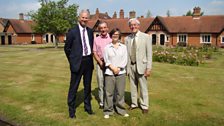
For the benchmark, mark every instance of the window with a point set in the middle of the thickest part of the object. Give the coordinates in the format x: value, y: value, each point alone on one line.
x: 167, y: 38
x: 182, y: 38
x: 205, y: 38
x: 222, y: 39
x: 32, y: 37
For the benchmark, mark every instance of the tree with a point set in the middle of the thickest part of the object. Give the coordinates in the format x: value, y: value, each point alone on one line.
x: 148, y: 14
x: 54, y: 17
x: 168, y: 13
x: 189, y: 13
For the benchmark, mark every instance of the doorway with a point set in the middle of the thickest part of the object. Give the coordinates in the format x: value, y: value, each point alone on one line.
x: 162, y: 39
x: 154, y: 39
x: 10, y: 40
x: 3, y: 40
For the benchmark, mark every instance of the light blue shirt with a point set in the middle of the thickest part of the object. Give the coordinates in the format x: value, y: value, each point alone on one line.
x: 116, y: 57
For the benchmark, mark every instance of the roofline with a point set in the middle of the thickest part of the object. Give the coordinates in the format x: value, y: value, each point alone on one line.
x: 157, y: 17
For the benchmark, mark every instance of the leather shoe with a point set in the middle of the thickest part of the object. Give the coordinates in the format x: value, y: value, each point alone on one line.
x: 132, y: 108
x: 72, y: 116
x: 101, y: 107
x: 145, y: 111
x: 90, y: 112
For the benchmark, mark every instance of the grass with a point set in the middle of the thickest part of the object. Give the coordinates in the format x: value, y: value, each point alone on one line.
x: 34, y: 81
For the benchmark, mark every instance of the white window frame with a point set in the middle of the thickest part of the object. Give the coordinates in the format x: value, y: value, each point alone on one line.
x: 203, y: 35
x: 178, y: 38
x: 32, y: 37
x: 168, y: 38
x: 222, y: 38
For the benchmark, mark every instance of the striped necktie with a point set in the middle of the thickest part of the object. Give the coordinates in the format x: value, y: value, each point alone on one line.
x: 84, y: 42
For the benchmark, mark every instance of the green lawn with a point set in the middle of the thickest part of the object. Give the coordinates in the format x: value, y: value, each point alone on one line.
x: 34, y: 83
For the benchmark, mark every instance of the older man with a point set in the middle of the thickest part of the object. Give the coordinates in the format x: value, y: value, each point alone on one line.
x: 139, y: 46
x: 78, y: 49
x: 98, y: 50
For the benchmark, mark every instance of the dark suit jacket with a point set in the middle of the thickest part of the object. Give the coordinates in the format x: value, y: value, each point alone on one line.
x: 73, y: 47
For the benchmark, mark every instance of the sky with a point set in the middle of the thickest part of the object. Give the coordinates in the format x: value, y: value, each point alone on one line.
x: 12, y: 8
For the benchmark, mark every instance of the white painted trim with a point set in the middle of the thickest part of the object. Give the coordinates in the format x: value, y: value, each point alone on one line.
x: 182, y: 34
x: 167, y: 38
x: 32, y: 37
x: 204, y: 35
x: 221, y: 39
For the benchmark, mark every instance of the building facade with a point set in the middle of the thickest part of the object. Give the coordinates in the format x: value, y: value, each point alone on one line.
x: 195, y: 30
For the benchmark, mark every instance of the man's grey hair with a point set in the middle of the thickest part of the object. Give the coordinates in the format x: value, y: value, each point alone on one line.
x: 84, y: 11
x: 133, y: 19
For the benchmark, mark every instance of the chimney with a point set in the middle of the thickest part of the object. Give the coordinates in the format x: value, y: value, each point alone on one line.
x: 106, y: 13
x: 197, y: 12
x: 122, y: 13
x: 115, y: 15
x: 142, y: 16
x: 21, y: 16
x: 97, y: 13
x: 132, y: 14
x: 88, y: 11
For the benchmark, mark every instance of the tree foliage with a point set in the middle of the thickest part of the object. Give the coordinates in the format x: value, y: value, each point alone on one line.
x: 168, y: 13
x: 54, y: 17
x: 148, y: 14
x: 189, y: 13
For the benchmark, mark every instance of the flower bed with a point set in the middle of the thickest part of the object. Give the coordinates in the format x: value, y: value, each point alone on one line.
x: 190, y: 56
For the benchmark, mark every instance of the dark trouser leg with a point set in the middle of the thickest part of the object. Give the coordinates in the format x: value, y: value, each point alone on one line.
x: 74, y: 84
x: 87, y: 78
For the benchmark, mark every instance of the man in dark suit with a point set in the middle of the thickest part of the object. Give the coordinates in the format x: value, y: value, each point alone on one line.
x: 78, y: 49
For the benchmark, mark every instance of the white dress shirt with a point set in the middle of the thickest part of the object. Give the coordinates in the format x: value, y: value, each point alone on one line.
x: 87, y: 40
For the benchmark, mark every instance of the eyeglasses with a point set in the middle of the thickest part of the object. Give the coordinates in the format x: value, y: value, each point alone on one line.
x: 115, y: 34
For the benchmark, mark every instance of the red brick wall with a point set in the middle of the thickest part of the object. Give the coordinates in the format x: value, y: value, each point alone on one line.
x: 38, y: 38
x: 61, y: 38
x: 193, y: 39
x: 219, y: 40
x: 23, y: 39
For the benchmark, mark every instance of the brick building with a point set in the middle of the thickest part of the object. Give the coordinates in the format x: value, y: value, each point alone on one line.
x: 188, y: 30
x: 192, y: 30
x: 19, y: 31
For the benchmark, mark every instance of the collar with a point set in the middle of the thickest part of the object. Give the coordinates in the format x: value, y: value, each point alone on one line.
x: 104, y: 36
x: 111, y: 44
x: 81, y: 28
x: 136, y: 35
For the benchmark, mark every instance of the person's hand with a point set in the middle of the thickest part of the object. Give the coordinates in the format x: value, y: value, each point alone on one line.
x: 116, y: 70
x: 147, y: 73
x: 102, y: 65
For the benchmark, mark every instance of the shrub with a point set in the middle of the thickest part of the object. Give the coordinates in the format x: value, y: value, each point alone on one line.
x: 182, y: 44
x: 190, y: 56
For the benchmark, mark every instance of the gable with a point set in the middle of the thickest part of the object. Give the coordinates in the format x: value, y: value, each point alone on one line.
x: 9, y: 28
x: 156, y: 25
x: 21, y: 26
